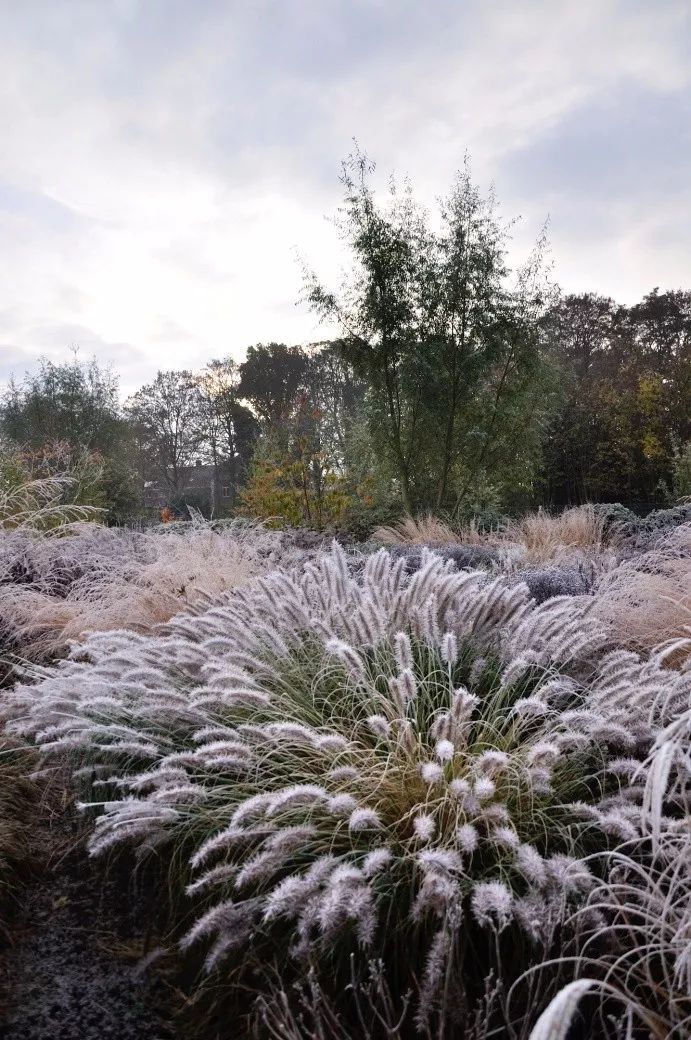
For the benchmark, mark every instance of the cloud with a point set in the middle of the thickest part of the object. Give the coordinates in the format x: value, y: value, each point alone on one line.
x: 161, y: 162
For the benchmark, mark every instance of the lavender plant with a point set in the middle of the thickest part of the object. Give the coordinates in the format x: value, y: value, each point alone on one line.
x: 428, y: 763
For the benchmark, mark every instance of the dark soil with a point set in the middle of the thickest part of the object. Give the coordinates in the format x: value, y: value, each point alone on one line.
x: 71, y: 971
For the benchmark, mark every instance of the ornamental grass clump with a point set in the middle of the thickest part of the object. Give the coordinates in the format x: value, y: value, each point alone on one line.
x: 634, y: 930
x: 412, y: 767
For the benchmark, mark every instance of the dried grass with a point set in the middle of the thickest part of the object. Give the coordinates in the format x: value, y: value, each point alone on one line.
x: 535, y: 539
x: 544, y: 538
x: 171, y: 572
x: 646, y: 600
x: 38, y: 505
x: 428, y: 530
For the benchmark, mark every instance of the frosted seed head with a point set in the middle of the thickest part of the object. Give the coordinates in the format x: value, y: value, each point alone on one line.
x: 341, y: 804
x: 530, y: 707
x: 406, y: 736
x: 540, y: 778
x: 438, y: 894
x: 424, y: 827
x: 364, y: 820
x: 444, y: 860
x: 460, y: 787
x: 569, y: 875
x: 492, y: 904
x: 467, y: 838
x: 449, y: 649
x: 296, y: 795
x: 376, y: 861
x: 544, y: 753
x: 407, y: 685
x: 531, y: 864
x: 349, y: 658
x: 343, y: 773
x: 403, y: 651
x: 379, y: 726
x: 492, y: 763
x: 444, y: 750
x: 494, y: 812
x: 506, y: 837
x: 330, y: 742
x: 431, y: 772
x: 484, y: 788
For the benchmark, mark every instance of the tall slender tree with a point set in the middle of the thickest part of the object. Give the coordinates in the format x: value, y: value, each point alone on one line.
x: 429, y: 321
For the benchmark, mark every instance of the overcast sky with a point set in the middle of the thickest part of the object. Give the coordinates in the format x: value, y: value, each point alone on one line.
x: 161, y: 161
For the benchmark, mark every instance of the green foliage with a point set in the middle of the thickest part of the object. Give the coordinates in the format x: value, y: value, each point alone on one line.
x: 294, y: 489
x: 74, y: 402
x: 681, y: 470
x: 621, y: 416
x: 65, y: 420
x: 273, y: 378
x: 449, y: 354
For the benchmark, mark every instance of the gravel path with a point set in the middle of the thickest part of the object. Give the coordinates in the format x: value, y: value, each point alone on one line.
x: 64, y: 979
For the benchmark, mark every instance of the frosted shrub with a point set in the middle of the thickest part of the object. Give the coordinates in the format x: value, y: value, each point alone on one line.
x: 375, y: 763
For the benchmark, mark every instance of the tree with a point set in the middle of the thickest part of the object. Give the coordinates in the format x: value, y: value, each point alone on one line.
x: 578, y: 332
x: 75, y: 402
x: 67, y: 412
x: 445, y: 347
x: 229, y: 429
x: 167, y: 418
x: 272, y: 380
x: 625, y: 375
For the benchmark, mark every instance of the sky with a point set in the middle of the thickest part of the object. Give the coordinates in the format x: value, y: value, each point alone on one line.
x: 164, y: 164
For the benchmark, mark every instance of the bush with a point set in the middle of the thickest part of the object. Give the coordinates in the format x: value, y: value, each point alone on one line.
x: 616, y: 518
x: 294, y: 488
x: 546, y: 582
x: 406, y: 767
x: 462, y: 556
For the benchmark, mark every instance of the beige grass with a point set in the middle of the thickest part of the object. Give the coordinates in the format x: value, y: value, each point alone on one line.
x: 187, y: 567
x: 37, y: 505
x: 647, y: 600
x: 547, y: 538
x: 535, y: 539
x: 427, y: 530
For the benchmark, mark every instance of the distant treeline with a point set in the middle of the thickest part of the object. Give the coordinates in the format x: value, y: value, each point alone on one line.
x: 454, y: 386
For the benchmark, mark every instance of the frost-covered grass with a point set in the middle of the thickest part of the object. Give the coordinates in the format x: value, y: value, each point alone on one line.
x: 534, y: 540
x: 37, y: 505
x: 424, y: 771
x: 646, y: 600
x: 53, y: 590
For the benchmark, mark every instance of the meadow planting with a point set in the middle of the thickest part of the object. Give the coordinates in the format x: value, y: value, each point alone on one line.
x: 435, y: 784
